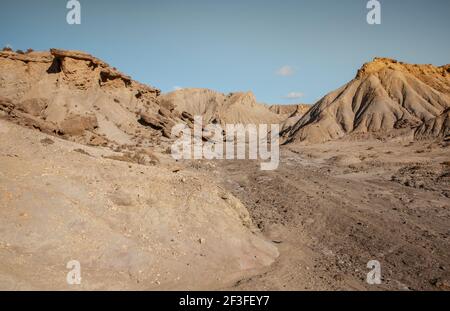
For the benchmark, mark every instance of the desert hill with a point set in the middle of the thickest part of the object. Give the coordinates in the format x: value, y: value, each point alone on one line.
x: 84, y: 177
x: 215, y: 107
x: 385, y: 96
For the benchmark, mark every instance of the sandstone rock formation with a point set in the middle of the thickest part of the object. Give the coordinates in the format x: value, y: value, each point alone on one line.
x: 385, y: 96
x: 79, y: 97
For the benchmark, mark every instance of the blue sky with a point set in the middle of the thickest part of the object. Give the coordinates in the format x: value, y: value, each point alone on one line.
x: 236, y: 45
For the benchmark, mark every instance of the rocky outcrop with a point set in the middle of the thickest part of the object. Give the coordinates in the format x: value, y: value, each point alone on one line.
x: 385, y: 97
x: 80, y: 97
x: 36, y: 57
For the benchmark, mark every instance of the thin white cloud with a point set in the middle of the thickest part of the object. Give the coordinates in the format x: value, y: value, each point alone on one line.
x: 285, y: 71
x: 177, y: 88
x: 294, y: 95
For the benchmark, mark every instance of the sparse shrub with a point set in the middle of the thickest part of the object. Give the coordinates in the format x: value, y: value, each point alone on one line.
x: 20, y: 52
x: 7, y: 49
x: 30, y: 51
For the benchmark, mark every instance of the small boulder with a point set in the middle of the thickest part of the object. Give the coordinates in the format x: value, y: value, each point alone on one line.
x: 77, y: 124
x: 33, y: 106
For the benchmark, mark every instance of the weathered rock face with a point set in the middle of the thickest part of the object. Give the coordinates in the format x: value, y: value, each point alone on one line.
x: 386, y: 96
x: 215, y: 107
x: 80, y: 97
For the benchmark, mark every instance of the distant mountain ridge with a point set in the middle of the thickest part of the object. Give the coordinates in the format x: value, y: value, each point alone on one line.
x: 215, y: 107
x: 80, y: 97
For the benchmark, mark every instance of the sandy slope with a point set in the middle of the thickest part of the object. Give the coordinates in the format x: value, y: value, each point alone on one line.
x: 131, y: 226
